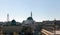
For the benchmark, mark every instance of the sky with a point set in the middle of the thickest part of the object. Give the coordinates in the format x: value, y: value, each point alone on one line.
x: 20, y: 10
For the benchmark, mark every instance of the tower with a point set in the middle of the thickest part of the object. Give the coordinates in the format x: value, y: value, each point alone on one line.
x: 31, y: 13
x: 7, y: 17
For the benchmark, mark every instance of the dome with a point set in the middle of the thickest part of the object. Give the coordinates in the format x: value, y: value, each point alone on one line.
x: 29, y: 18
x: 13, y: 22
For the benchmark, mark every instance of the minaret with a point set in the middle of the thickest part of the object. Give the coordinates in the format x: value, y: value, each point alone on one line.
x: 31, y: 13
x: 7, y: 17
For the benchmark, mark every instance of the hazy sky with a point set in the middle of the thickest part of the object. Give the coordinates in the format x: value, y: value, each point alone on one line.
x: 20, y: 9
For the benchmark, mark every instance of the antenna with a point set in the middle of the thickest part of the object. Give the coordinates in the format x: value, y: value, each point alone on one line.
x: 7, y: 17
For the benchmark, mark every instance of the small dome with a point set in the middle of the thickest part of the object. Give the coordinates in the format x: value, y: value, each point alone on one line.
x: 29, y: 18
x: 13, y: 22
